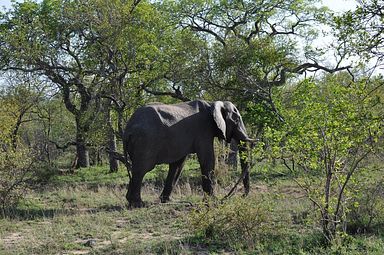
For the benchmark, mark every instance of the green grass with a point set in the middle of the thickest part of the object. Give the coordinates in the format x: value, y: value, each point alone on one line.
x: 86, y: 213
x: 92, y: 176
x: 99, y: 175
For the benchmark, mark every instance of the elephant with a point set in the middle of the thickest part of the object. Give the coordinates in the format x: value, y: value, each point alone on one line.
x: 166, y: 133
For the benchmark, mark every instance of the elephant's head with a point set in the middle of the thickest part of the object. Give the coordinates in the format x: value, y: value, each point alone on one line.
x: 229, y: 121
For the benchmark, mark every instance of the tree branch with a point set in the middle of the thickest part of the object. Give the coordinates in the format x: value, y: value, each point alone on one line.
x: 63, y: 147
x: 121, y: 158
x: 177, y: 94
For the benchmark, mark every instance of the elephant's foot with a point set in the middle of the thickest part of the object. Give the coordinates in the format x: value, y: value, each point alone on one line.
x: 136, y: 204
x: 246, y: 193
x: 164, y: 199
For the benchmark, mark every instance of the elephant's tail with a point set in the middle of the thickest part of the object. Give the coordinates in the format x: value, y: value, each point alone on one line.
x: 128, y: 162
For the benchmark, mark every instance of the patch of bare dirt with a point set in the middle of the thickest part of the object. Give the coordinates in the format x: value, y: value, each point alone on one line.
x: 76, y: 252
x: 260, y: 188
x: 12, y: 239
x: 293, y: 191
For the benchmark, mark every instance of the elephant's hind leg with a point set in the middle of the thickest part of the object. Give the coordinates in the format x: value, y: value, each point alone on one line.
x: 134, y: 189
x: 174, y: 172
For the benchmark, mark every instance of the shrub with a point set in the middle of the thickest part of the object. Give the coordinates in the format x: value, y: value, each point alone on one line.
x: 366, y: 212
x: 238, y: 222
x: 15, y: 166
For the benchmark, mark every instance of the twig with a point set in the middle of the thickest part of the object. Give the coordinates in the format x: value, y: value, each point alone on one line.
x: 230, y: 193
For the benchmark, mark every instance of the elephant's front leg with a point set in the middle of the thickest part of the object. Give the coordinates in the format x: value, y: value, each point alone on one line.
x: 175, y: 169
x: 207, y: 165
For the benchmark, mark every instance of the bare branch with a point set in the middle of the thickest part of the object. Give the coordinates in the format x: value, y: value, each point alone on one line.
x: 177, y: 94
x: 63, y: 147
x: 134, y: 5
x: 121, y: 158
x: 313, y: 67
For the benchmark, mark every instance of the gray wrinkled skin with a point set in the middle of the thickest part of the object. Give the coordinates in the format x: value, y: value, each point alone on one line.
x: 160, y: 133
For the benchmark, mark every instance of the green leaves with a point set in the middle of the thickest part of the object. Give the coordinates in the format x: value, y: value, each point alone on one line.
x: 360, y: 32
x: 331, y: 127
x: 328, y: 118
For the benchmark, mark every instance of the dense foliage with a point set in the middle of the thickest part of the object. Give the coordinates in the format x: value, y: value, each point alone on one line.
x: 73, y: 71
x: 331, y: 131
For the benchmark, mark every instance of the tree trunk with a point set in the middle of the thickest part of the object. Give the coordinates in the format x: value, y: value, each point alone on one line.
x: 329, y: 227
x: 113, y: 163
x: 82, y: 152
x: 111, y: 140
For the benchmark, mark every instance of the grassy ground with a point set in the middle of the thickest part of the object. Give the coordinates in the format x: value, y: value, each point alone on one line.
x: 86, y: 213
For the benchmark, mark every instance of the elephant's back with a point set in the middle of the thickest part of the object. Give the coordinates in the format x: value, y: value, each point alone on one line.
x: 166, y: 115
x: 160, y: 133
x: 143, y: 119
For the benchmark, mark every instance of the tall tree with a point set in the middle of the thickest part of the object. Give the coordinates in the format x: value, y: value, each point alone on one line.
x: 254, y: 46
x: 87, y: 48
x: 332, y: 130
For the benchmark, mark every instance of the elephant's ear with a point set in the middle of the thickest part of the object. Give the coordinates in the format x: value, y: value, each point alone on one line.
x: 217, y: 114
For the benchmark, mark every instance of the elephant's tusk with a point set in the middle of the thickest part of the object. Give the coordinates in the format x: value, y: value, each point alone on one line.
x: 250, y: 140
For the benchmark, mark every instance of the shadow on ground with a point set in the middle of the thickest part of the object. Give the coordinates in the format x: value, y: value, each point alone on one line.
x: 38, y: 213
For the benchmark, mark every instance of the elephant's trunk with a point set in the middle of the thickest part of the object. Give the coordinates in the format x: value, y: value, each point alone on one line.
x: 244, y: 174
x: 244, y: 162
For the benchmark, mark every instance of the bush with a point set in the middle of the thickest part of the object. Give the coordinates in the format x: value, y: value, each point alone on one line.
x: 239, y: 222
x: 15, y: 166
x: 367, y: 209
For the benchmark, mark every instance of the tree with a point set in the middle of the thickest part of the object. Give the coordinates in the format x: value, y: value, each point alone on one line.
x: 15, y: 158
x: 87, y: 48
x: 360, y: 32
x: 23, y: 92
x: 52, y: 131
x: 253, y: 46
x: 35, y: 39
x: 331, y: 128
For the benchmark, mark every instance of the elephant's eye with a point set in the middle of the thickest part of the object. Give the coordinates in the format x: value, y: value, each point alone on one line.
x: 236, y: 118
